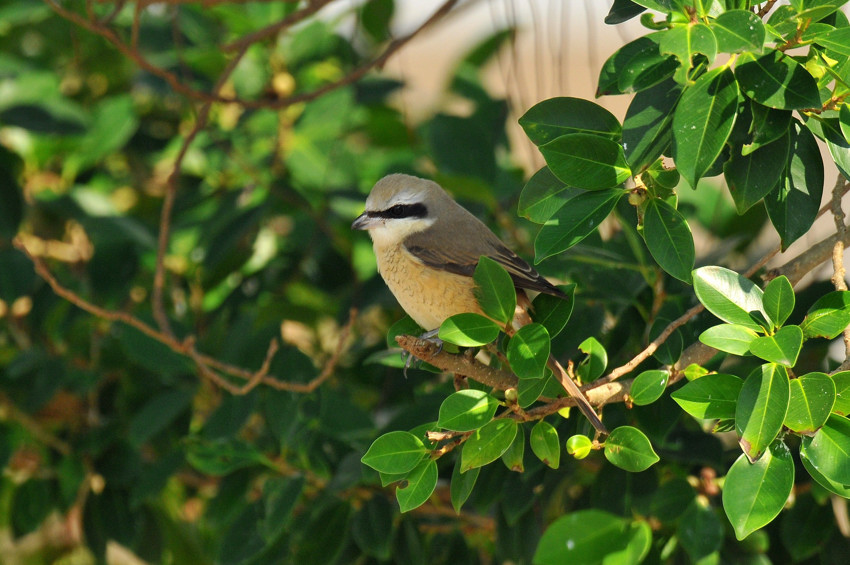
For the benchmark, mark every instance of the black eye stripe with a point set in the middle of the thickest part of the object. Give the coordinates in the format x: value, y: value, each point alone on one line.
x: 417, y: 210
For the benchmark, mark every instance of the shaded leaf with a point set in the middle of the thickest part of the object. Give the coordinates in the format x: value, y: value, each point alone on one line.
x: 762, y: 405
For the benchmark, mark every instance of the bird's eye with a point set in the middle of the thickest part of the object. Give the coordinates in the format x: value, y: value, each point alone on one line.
x: 397, y: 211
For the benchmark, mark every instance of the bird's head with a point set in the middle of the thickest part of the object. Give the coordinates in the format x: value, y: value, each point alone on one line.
x: 401, y: 205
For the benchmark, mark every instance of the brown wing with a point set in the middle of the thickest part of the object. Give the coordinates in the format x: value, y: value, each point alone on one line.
x: 458, y: 251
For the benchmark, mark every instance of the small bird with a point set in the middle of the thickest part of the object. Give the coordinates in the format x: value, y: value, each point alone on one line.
x: 427, y: 247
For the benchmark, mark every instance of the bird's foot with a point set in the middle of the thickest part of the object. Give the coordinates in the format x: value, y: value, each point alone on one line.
x: 430, y: 336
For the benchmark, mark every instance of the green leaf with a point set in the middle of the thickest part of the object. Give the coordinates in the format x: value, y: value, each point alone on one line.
x: 592, y: 366
x: 812, y: 399
x: 738, y: 30
x: 405, y: 326
x: 395, y: 452
x: 793, y: 205
x: 648, y: 386
x: 754, y: 493
x: 421, y: 482
x: 586, y: 161
x: 830, y: 485
x: 751, y: 177
x: 487, y: 444
x: 783, y: 347
x: 729, y: 296
x: 529, y: 390
x: 711, y: 396
x: 580, y: 538
x: 514, y: 456
x: 672, y: 499
x: 543, y: 195
x: 842, y: 393
x: 730, y: 338
x: 837, y: 40
x: 768, y: 125
x: 553, y: 312
x: 572, y: 223
x: 828, y: 450
x: 563, y: 115
x: 528, y: 351
x: 647, y: 127
x: 700, y: 530
x: 686, y: 40
x: 778, y: 300
x: 545, y: 444
x: 222, y: 456
x: 467, y: 410
x: 776, y: 80
x: 762, y: 405
x: 844, y: 114
x: 157, y: 414
x: 703, y: 121
x: 461, y: 485
x: 669, y: 239
x: 622, y: 11
x: 628, y: 448
x: 636, y: 66
x: 494, y: 290
x: 828, y: 316
x: 468, y: 330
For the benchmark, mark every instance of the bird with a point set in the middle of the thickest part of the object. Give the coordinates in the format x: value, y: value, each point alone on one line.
x: 427, y: 247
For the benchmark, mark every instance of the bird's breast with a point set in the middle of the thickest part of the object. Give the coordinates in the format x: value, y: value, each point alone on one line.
x: 428, y: 295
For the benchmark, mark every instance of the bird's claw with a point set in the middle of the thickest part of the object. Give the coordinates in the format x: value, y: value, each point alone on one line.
x: 430, y: 336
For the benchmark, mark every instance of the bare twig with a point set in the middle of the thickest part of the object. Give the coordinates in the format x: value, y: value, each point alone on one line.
x: 15, y: 414
x: 765, y: 9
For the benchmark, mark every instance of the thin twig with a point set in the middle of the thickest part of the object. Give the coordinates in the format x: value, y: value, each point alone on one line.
x: 15, y: 414
x: 766, y: 8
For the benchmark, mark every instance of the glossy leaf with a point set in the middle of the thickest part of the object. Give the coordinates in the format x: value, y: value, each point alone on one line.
x: 778, y: 300
x: 702, y: 123
x: 686, y: 40
x: 783, y: 347
x: 494, y: 290
x: 622, y: 11
x: 812, y: 399
x: 553, y: 312
x: 628, y: 448
x: 421, y: 482
x: 729, y: 296
x: 753, y: 176
x: 586, y: 161
x: 828, y: 450
x: 636, y: 66
x: 529, y: 390
x: 487, y: 444
x: 830, y: 485
x: 837, y: 40
x: 648, y: 386
x: 647, y: 128
x: 528, y: 351
x: 545, y: 444
x: 580, y: 538
x: 754, y: 493
x: 514, y: 456
x: 761, y: 409
x: 462, y: 485
x: 669, y: 239
x: 563, y: 115
x: 468, y: 330
x: 793, y: 205
x: 543, y: 195
x: 573, y: 223
x: 828, y: 316
x: 777, y: 81
x: 712, y: 396
x: 738, y: 30
x: 768, y: 125
x: 593, y: 365
x: 467, y: 410
x: 842, y: 393
x: 395, y: 452
x: 730, y: 338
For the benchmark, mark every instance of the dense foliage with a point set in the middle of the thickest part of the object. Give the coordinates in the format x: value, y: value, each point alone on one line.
x: 200, y: 363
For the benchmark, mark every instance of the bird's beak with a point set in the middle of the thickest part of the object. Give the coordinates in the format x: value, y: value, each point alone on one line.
x: 363, y: 222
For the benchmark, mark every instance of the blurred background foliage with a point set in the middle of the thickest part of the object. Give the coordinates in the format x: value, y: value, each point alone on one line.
x: 118, y: 446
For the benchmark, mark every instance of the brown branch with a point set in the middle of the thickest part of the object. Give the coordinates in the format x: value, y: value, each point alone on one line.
x: 430, y: 352
x: 12, y: 412
x: 178, y: 86
x: 295, y: 17
x: 765, y: 9
x: 206, y: 364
